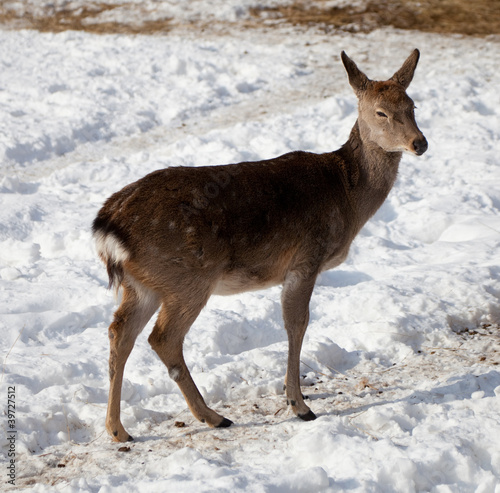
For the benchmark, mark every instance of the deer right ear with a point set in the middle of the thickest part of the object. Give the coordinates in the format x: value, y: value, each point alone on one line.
x: 357, y: 79
x: 405, y: 74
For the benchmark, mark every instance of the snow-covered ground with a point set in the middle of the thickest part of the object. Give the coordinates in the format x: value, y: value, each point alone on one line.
x: 401, y: 357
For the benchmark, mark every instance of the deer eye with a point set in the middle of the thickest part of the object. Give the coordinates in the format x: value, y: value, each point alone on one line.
x: 382, y: 114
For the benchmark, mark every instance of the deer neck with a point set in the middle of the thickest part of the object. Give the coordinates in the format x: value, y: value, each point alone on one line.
x: 371, y: 171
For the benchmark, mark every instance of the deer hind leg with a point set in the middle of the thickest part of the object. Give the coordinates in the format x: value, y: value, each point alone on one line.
x: 174, y: 321
x: 295, y: 304
x: 137, y: 307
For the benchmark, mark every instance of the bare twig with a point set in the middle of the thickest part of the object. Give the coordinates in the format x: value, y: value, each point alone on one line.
x: 359, y: 428
x: 324, y: 374
x: 5, y: 360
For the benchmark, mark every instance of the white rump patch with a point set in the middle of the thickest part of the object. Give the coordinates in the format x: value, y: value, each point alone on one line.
x: 110, y: 247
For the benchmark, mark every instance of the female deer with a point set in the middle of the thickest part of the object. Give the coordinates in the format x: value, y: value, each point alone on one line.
x: 179, y: 235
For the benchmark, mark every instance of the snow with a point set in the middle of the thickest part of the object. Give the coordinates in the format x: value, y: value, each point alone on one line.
x: 401, y: 356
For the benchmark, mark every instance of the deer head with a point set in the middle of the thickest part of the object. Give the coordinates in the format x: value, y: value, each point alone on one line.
x: 386, y: 113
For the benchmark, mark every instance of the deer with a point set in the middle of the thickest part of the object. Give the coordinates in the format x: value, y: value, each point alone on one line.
x: 179, y: 235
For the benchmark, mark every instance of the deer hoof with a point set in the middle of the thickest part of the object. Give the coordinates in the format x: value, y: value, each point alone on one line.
x: 121, y: 437
x: 310, y: 416
x: 225, y: 423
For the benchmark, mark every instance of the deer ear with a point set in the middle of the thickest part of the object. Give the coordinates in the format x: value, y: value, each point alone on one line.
x: 357, y: 79
x: 405, y: 74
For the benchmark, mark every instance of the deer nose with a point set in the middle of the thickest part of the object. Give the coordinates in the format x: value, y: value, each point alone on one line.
x: 420, y: 146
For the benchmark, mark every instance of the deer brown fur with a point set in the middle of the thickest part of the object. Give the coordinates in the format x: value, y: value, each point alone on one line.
x: 181, y: 234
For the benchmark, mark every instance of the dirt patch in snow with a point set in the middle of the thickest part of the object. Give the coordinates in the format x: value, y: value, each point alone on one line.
x: 481, y: 17
x: 478, y: 18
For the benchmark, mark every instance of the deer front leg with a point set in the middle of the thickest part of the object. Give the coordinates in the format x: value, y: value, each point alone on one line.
x: 167, y: 339
x: 295, y: 298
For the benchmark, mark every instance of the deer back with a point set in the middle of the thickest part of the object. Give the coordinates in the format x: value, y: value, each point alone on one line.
x: 246, y: 224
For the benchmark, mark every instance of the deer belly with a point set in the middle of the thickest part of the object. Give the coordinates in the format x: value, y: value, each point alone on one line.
x: 239, y: 282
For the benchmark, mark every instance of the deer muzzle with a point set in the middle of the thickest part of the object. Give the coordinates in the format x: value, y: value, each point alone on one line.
x: 420, y: 145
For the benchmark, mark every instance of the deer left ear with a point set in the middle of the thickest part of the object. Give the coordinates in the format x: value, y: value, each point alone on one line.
x: 405, y: 74
x: 358, y: 80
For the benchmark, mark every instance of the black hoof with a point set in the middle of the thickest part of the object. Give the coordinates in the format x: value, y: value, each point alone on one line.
x: 130, y: 438
x: 310, y: 416
x: 225, y: 423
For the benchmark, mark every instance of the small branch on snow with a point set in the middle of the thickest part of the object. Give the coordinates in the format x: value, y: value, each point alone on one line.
x: 5, y: 360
